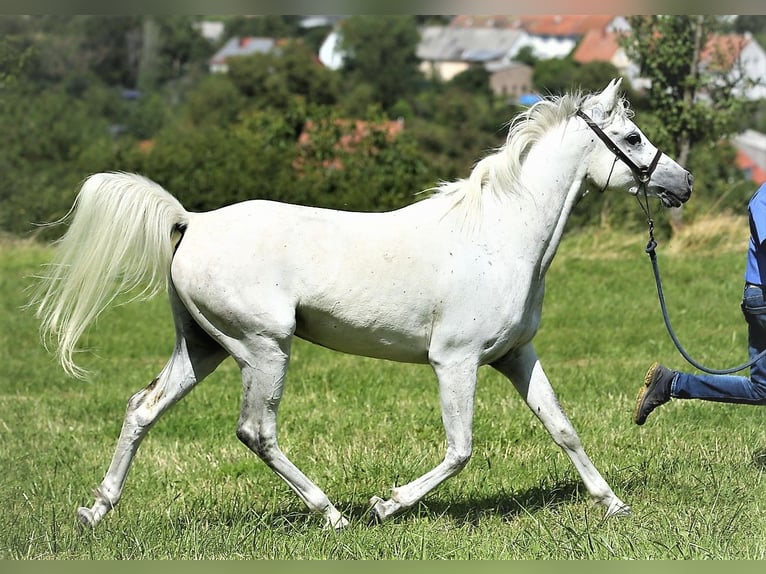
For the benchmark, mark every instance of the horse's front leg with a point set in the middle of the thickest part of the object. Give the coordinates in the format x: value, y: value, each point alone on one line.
x: 523, y: 368
x: 457, y: 385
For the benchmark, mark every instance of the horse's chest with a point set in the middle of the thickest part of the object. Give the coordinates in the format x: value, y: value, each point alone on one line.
x: 512, y: 326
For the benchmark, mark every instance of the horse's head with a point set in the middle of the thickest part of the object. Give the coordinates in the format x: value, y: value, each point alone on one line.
x: 627, y: 159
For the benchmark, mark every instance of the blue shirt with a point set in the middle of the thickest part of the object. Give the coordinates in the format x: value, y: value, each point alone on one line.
x: 755, y: 272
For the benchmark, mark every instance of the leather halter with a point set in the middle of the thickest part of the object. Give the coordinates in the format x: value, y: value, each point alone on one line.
x: 644, y: 172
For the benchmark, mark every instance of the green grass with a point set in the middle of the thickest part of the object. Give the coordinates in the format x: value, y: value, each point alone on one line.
x: 695, y: 474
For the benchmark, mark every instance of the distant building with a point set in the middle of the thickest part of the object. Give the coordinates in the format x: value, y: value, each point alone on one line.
x: 446, y: 51
x: 330, y: 54
x: 320, y: 21
x: 549, y: 36
x: 236, y: 46
x: 602, y: 45
x: 739, y: 60
x: 512, y: 80
x: 495, y: 41
x: 751, y: 155
x: 210, y: 30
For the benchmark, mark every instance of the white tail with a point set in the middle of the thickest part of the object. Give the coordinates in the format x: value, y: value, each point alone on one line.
x: 120, y: 238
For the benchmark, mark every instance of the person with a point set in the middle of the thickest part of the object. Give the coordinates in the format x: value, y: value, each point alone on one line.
x: 662, y: 384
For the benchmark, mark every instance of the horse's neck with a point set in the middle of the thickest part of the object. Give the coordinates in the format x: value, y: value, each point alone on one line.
x: 552, y: 177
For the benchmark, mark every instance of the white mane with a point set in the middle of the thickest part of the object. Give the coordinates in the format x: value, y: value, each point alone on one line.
x: 500, y: 172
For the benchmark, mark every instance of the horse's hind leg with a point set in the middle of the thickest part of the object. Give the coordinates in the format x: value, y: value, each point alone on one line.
x: 523, y: 368
x: 264, y: 362
x: 194, y: 357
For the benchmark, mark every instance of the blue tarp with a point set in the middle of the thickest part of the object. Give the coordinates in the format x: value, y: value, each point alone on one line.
x: 529, y: 99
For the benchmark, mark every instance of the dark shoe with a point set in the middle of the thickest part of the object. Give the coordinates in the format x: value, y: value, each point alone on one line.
x: 655, y: 392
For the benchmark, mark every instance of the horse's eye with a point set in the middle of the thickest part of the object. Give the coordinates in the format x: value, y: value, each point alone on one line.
x: 633, y: 138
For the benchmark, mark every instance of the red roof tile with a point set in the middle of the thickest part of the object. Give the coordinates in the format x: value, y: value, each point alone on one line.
x: 542, y: 25
x: 596, y: 46
x: 757, y: 173
x: 721, y: 51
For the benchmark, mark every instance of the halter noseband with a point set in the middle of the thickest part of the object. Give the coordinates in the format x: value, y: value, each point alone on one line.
x: 643, y: 173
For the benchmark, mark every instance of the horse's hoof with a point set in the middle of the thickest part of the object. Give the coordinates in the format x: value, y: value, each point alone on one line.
x: 376, y: 506
x: 338, y: 524
x: 85, y: 517
x: 619, y: 509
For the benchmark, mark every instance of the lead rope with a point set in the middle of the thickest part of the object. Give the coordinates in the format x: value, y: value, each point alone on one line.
x: 651, y: 250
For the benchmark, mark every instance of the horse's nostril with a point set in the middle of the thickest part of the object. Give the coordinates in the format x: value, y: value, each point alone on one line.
x: 689, y: 179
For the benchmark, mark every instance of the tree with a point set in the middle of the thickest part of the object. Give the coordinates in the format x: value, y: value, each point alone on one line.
x: 359, y: 165
x: 689, y: 104
x: 269, y: 26
x: 474, y: 79
x: 47, y: 142
x: 271, y: 78
x: 214, y: 100
x: 562, y: 75
x: 554, y: 75
x: 170, y: 47
x: 380, y: 51
x: 112, y: 47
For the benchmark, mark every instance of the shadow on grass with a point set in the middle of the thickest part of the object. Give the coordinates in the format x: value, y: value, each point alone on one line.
x: 759, y: 459
x: 508, y: 505
x: 471, y: 510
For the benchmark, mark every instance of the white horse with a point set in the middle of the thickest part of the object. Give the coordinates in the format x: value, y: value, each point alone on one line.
x: 455, y: 280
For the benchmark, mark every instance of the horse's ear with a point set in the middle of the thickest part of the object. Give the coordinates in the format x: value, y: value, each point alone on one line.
x: 608, y: 98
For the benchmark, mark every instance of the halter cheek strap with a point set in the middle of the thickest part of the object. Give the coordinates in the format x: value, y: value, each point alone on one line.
x: 644, y: 172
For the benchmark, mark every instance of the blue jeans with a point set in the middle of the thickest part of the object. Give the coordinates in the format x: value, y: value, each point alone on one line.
x: 729, y: 388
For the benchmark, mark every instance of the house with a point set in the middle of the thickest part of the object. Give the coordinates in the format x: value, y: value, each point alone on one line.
x: 751, y: 155
x: 556, y: 36
x: 549, y: 36
x: 739, y: 60
x: 736, y: 59
x: 211, y: 30
x: 237, y: 46
x: 320, y: 20
x: 330, y: 53
x: 446, y: 51
x: 511, y: 80
x: 602, y: 45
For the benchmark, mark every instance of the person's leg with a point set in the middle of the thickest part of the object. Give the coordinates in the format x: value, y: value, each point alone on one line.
x: 720, y: 388
x: 729, y: 388
x: 662, y: 384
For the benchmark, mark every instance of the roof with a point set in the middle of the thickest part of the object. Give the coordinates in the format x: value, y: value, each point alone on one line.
x: 244, y: 46
x: 596, y: 46
x: 722, y: 50
x: 565, y: 25
x: 498, y: 66
x: 446, y: 43
x: 483, y: 21
x: 744, y: 162
x: 751, y: 154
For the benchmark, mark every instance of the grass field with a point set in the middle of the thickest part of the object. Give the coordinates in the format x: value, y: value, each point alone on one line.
x: 695, y: 474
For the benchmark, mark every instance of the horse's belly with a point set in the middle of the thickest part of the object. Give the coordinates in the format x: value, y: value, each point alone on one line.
x: 371, y: 336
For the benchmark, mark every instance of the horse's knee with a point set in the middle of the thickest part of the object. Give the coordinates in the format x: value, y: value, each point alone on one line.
x: 567, y: 438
